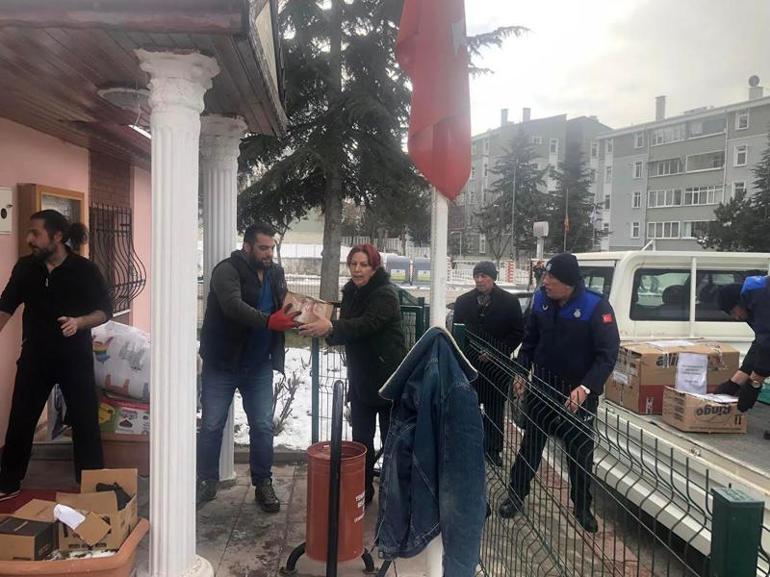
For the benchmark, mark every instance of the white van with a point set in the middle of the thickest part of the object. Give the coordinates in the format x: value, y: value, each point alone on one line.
x: 654, y: 298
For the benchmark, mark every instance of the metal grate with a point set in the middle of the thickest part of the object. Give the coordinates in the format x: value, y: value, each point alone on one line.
x: 112, y: 249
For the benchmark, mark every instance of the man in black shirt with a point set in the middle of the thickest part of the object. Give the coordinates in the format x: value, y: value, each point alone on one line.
x: 64, y: 296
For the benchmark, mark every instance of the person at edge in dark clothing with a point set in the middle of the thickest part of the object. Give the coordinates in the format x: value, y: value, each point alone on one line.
x: 749, y: 302
x: 242, y: 343
x: 571, y: 344
x: 494, y: 315
x: 64, y: 297
x: 369, y: 326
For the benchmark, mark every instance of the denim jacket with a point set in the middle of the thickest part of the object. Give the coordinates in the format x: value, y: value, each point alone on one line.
x: 433, y: 471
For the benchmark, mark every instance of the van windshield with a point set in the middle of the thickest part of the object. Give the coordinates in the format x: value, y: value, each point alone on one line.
x: 664, y: 294
x: 597, y: 278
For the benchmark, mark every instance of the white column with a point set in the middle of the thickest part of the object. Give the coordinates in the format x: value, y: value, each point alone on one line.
x: 177, y: 85
x: 220, y: 146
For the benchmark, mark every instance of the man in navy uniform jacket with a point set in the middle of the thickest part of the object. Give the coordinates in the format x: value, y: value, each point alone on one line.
x: 571, y: 344
x: 749, y: 302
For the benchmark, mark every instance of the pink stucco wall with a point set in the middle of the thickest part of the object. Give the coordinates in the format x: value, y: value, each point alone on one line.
x: 141, y: 203
x: 27, y: 155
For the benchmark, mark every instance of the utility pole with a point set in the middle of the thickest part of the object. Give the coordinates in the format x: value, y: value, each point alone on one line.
x: 513, y: 213
x: 566, y: 223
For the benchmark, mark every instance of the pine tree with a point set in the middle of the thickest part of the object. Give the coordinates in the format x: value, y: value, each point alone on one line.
x: 515, y: 169
x: 571, y: 204
x: 347, y: 103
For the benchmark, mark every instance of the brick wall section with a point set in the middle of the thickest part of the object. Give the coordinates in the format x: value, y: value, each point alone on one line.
x: 109, y: 180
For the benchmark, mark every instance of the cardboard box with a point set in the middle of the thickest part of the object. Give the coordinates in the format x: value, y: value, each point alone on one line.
x: 694, y: 413
x: 123, y: 416
x: 645, y: 369
x: 25, y: 539
x: 103, y: 506
x: 309, y: 307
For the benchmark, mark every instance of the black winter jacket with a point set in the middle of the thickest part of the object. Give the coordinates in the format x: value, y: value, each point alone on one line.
x: 573, y: 345
x: 231, y: 312
x: 370, y: 328
x: 501, y: 321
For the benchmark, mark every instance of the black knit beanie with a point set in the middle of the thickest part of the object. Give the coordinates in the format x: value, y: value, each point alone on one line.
x: 486, y: 267
x: 729, y: 296
x: 565, y: 268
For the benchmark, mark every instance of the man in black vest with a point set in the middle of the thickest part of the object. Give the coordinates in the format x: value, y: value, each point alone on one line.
x: 493, y: 315
x: 242, y: 343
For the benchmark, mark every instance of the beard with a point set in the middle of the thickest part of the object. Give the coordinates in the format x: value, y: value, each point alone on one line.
x: 41, y: 253
x: 259, y: 264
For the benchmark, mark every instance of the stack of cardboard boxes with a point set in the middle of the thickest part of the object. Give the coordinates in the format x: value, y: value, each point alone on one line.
x: 645, y: 381
x: 100, y: 517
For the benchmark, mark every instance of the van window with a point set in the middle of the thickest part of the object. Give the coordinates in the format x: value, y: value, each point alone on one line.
x: 664, y: 294
x: 598, y: 278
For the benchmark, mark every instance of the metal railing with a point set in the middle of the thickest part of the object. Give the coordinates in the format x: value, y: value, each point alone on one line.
x: 111, y: 246
x: 654, y: 514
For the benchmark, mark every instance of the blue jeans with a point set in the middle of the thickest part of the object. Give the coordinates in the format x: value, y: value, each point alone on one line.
x: 218, y: 389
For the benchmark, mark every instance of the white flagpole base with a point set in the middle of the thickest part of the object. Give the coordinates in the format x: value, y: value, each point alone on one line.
x: 438, y: 259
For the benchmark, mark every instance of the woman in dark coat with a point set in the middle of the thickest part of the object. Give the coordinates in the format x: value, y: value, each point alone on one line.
x: 370, y: 328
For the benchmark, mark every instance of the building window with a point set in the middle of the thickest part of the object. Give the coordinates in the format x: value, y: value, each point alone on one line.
x: 608, y: 146
x: 706, y: 161
x: 608, y: 174
x: 739, y: 188
x: 636, y: 200
x: 668, y: 134
x: 486, y: 146
x: 742, y: 120
x: 635, y: 229
x: 694, y: 228
x: 702, y: 195
x: 741, y: 155
x: 592, y: 175
x: 606, y: 228
x: 664, y: 198
x: 665, y: 167
x: 486, y: 168
x: 473, y: 149
x: 665, y: 230
x: 473, y: 172
x: 638, y: 169
x: 606, y: 202
x: 594, y: 150
x: 639, y: 140
x: 706, y: 127
x: 553, y: 146
x: 537, y: 140
x: 482, y: 244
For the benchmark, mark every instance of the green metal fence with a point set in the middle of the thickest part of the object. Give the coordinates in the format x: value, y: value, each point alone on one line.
x: 656, y: 515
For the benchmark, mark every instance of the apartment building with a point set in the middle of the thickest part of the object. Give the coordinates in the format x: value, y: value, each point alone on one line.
x: 662, y: 180
x: 549, y: 137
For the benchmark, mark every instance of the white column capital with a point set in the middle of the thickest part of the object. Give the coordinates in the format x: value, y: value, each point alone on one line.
x: 177, y: 80
x: 221, y: 137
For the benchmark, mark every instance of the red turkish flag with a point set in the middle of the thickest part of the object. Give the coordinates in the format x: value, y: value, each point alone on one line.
x: 432, y: 50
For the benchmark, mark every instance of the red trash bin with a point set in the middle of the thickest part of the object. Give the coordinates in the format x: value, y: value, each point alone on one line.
x: 352, y: 481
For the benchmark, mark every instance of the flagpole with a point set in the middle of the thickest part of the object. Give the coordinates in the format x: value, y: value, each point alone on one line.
x: 438, y: 258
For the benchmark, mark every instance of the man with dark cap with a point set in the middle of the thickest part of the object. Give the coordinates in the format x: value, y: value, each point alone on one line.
x: 570, y: 346
x: 749, y: 302
x: 494, y: 316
